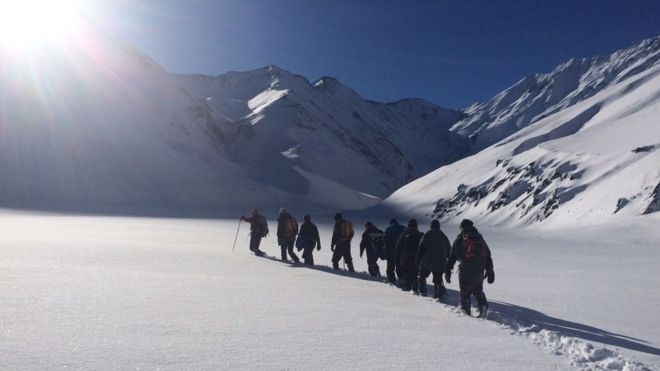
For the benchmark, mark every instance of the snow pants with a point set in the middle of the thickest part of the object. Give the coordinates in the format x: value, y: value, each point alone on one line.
x: 391, y: 266
x: 372, y: 261
x: 469, y: 288
x: 308, y: 255
x: 407, y: 273
x: 255, y: 241
x: 286, y: 245
x: 342, y: 250
x: 437, y: 280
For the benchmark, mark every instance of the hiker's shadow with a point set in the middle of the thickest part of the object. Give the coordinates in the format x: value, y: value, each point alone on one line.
x: 529, y: 320
x: 324, y: 268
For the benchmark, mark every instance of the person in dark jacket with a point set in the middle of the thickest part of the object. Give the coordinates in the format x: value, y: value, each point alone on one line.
x: 432, y: 256
x: 258, y: 230
x: 372, y: 240
x: 287, y: 228
x: 406, y: 251
x: 340, y: 245
x: 308, y: 238
x: 392, y: 234
x: 475, y: 259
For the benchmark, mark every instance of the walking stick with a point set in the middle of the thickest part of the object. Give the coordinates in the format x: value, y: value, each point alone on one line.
x: 236, y: 238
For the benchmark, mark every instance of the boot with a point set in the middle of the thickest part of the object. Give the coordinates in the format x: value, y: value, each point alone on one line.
x: 440, y: 291
x: 483, y: 304
x: 350, y: 267
x: 421, y: 283
x: 465, y: 305
x: 376, y: 270
x: 414, y: 287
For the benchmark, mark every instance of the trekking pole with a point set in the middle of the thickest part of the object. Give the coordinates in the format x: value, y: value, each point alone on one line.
x: 236, y: 238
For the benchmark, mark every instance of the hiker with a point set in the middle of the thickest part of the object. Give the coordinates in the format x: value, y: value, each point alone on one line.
x: 308, y: 238
x: 258, y: 230
x: 287, y: 228
x: 372, y: 241
x: 473, y: 253
x: 432, y: 255
x: 406, y: 251
x: 392, y: 234
x: 341, y: 242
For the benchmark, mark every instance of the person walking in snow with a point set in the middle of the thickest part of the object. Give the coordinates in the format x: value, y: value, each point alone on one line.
x: 406, y: 252
x: 372, y: 242
x: 392, y: 234
x: 432, y: 255
x: 287, y: 228
x: 308, y: 238
x: 473, y: 255
x: 340, y: 245
x: 258, y: 230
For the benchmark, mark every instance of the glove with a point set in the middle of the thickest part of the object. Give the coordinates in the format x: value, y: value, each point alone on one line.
x: 448, y: 276
x: 318, y: 247
x: 490, y: 276
x: 361, y: 254
x: 332, y: 248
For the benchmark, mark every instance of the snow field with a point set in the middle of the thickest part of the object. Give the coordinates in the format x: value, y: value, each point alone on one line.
x: 127, y: 293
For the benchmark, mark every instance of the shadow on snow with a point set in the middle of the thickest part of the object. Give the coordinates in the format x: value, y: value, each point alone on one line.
x: 514, y: 316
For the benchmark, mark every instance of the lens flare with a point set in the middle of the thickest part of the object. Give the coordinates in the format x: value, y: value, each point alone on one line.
x: 29, y: 24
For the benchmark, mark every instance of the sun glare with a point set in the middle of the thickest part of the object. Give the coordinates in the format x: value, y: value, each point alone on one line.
x: 26, y: 24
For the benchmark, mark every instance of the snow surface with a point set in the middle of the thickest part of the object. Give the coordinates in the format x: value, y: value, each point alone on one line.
x: 128, y: 293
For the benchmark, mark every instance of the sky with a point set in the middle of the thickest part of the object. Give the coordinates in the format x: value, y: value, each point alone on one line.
x: 452, y: 53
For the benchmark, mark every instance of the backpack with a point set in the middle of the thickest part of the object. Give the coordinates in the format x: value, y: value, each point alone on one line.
x: 289, y: 226
x: 377, y: 240
x: 262, y: 226
x: 345, y: 230
x: 476, y: 251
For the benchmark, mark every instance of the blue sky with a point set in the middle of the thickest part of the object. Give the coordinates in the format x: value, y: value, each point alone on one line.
x: 452, y: 53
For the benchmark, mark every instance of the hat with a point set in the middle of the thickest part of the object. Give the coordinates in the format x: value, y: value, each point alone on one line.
x: 466, y: 223
x: 282, y: 210
x: 412, y: 223
x: 393, y: 221
x: 338, y: 216
x: 368, y: 224
x: 307, y: 218
x: 435, y: 224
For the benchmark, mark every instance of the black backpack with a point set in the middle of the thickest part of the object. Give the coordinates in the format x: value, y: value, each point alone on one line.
x: 377, y: 240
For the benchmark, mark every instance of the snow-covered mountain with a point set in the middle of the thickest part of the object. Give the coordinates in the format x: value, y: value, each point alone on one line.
x: 590, y: 155
x: 97, y: 125
x: 541, y: 95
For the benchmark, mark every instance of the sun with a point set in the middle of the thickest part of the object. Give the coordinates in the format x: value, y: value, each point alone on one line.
x: 26, y: 24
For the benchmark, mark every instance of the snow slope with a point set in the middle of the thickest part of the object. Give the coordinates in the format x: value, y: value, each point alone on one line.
x: 282, y: 122
x: 596, y: 161
x: 540, y: 95
x: 127, y: 293
x: 94, y: 125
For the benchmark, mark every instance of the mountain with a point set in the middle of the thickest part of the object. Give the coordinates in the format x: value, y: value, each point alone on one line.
x: 541, y: 95
x: 295, y: 133
x: 590, y: 155
x: 95, y: 125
